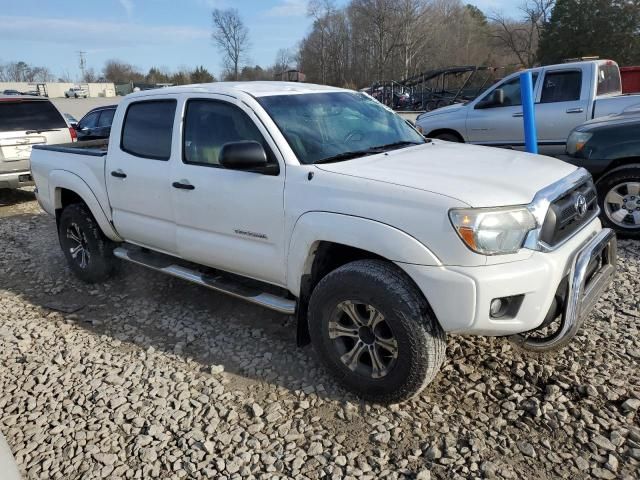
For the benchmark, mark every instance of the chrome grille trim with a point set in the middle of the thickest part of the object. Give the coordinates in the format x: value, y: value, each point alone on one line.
x: 543, y: 200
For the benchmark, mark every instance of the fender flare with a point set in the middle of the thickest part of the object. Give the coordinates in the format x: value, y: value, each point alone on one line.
x: 379, y: 238
x: 59, y: 179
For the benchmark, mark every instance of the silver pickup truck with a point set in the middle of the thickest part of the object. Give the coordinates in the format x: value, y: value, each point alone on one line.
x: 565, y: 95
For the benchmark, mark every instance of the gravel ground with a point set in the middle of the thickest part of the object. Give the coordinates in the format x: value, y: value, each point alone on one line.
x: 147, y: 376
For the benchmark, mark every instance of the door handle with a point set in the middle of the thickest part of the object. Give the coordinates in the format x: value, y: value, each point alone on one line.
x: 575, y: 110
x: 518, y: 114
x: 118, y: 174
x: 183, y: 186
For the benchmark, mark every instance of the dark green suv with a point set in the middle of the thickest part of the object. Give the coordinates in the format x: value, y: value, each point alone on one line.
x: 609, y: 147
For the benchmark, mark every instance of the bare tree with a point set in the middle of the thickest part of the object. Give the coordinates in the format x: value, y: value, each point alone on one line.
x: 284, y: 59
x: 321, y: 11
x: 232, y: 38
x: 521, y: 36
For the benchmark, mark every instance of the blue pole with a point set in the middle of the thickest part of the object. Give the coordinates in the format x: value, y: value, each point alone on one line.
x: 529, y: 112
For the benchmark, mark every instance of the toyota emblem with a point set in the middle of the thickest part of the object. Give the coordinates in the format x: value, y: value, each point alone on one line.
x: 581, y: 205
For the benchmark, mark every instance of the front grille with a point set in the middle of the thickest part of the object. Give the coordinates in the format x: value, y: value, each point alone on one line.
x: 564, y: 217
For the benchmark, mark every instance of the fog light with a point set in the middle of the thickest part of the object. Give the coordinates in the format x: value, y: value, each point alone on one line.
x: 505, y: 307
x: 497, y: 307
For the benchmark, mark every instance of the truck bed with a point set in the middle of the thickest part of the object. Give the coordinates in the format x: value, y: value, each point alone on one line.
x: 76, y: 166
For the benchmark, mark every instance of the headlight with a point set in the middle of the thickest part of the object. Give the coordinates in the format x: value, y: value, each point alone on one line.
x: 493, y: 231
x: 577, y: 141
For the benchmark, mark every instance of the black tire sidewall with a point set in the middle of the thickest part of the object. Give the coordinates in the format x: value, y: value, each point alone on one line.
x: 100, y: 264
x: 404, y: 314
x: 605, y: 185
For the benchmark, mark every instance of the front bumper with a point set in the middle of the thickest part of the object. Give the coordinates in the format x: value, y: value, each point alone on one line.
x: 461, y: 296
x: 16, y: 179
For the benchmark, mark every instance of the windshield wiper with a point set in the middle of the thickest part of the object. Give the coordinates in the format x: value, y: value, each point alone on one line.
x: 396, y: 144
x: 346, y: 156
x: 368, y: 151
x: 42, y: 130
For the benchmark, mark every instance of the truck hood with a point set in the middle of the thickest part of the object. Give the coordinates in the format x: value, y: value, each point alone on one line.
x: 443, y: 110
x: 477, y: 176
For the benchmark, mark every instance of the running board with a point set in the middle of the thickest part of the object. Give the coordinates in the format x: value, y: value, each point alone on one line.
x: 166, y: 264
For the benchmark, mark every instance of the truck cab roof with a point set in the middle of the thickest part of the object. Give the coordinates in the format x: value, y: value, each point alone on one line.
x: 255, y: 89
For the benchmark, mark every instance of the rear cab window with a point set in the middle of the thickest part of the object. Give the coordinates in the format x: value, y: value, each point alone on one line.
x: 147, y: 129
x: 609, y: 81
x: 22, y: 115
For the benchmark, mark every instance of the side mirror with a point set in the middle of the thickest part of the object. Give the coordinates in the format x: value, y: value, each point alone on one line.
x: 246, y: 156
x: 496, y: 99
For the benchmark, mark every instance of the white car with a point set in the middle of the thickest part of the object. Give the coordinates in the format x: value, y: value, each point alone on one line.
x: 76, y: 92
x: 565, y: 96
x: 321, y: 203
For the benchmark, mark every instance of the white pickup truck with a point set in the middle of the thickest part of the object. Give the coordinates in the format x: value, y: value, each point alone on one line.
x: 565, y: 96
x: 322, y: 203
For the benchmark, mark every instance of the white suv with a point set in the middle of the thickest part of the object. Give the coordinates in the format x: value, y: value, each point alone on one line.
x: 26, y: 121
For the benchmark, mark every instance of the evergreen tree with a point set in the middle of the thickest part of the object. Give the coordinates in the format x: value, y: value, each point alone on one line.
x: 604, y: 28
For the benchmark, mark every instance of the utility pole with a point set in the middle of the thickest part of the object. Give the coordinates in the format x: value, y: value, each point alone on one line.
x: 83, y: 62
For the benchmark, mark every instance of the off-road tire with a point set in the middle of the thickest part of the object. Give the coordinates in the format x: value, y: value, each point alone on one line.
x: 100, y: 260
x: 421, y: 341
x: 605, y: 184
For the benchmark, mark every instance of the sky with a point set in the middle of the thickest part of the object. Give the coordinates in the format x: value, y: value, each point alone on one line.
x: 146, y: 33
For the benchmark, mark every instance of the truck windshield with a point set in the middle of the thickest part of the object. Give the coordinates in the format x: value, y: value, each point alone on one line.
x: 335, y: 126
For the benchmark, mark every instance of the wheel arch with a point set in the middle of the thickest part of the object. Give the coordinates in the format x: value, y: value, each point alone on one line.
x: 620, y: 164
x: 322, y: 242
x: 439, y: 131
x: 70, y: 188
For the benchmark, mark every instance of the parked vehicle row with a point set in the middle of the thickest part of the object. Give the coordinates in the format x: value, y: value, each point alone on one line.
x: 566, y: 96
x: 321, y: 203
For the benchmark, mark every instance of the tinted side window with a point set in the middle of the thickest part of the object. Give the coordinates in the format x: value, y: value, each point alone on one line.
x: 148, y: 128
x: 561, y: 87
x: 106, y: 118
x: 512, y: 94
x: 29, y: 115
x: 209, y: 124
x: 609, y: 79
x: 89, y: 120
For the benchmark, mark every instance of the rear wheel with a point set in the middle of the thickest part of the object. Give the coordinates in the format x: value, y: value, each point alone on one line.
x: 619, y: 198
x: 372, y: 328
x: 88, y: 252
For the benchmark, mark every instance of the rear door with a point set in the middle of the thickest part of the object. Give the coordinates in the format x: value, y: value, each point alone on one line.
x: 87, y: 125
x: 138, y: 173
x: 24, y: 123
x: 103, y: 127
x: 562, y: 105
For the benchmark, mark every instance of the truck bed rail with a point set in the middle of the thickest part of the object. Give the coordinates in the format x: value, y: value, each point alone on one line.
x: 95, y: 148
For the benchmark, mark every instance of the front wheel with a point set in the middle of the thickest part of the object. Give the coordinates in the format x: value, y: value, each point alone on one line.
x: 448, y: 137
x: 619, y: 197
x: 88, y: 252
x: 372, y: 329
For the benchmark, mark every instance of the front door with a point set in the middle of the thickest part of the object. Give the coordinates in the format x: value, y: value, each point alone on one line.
x: 500, y: 125
x: 228, y: 219
x: 138, y: 173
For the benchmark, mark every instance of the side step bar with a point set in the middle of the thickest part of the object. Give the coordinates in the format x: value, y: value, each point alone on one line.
x: 166, y: 264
